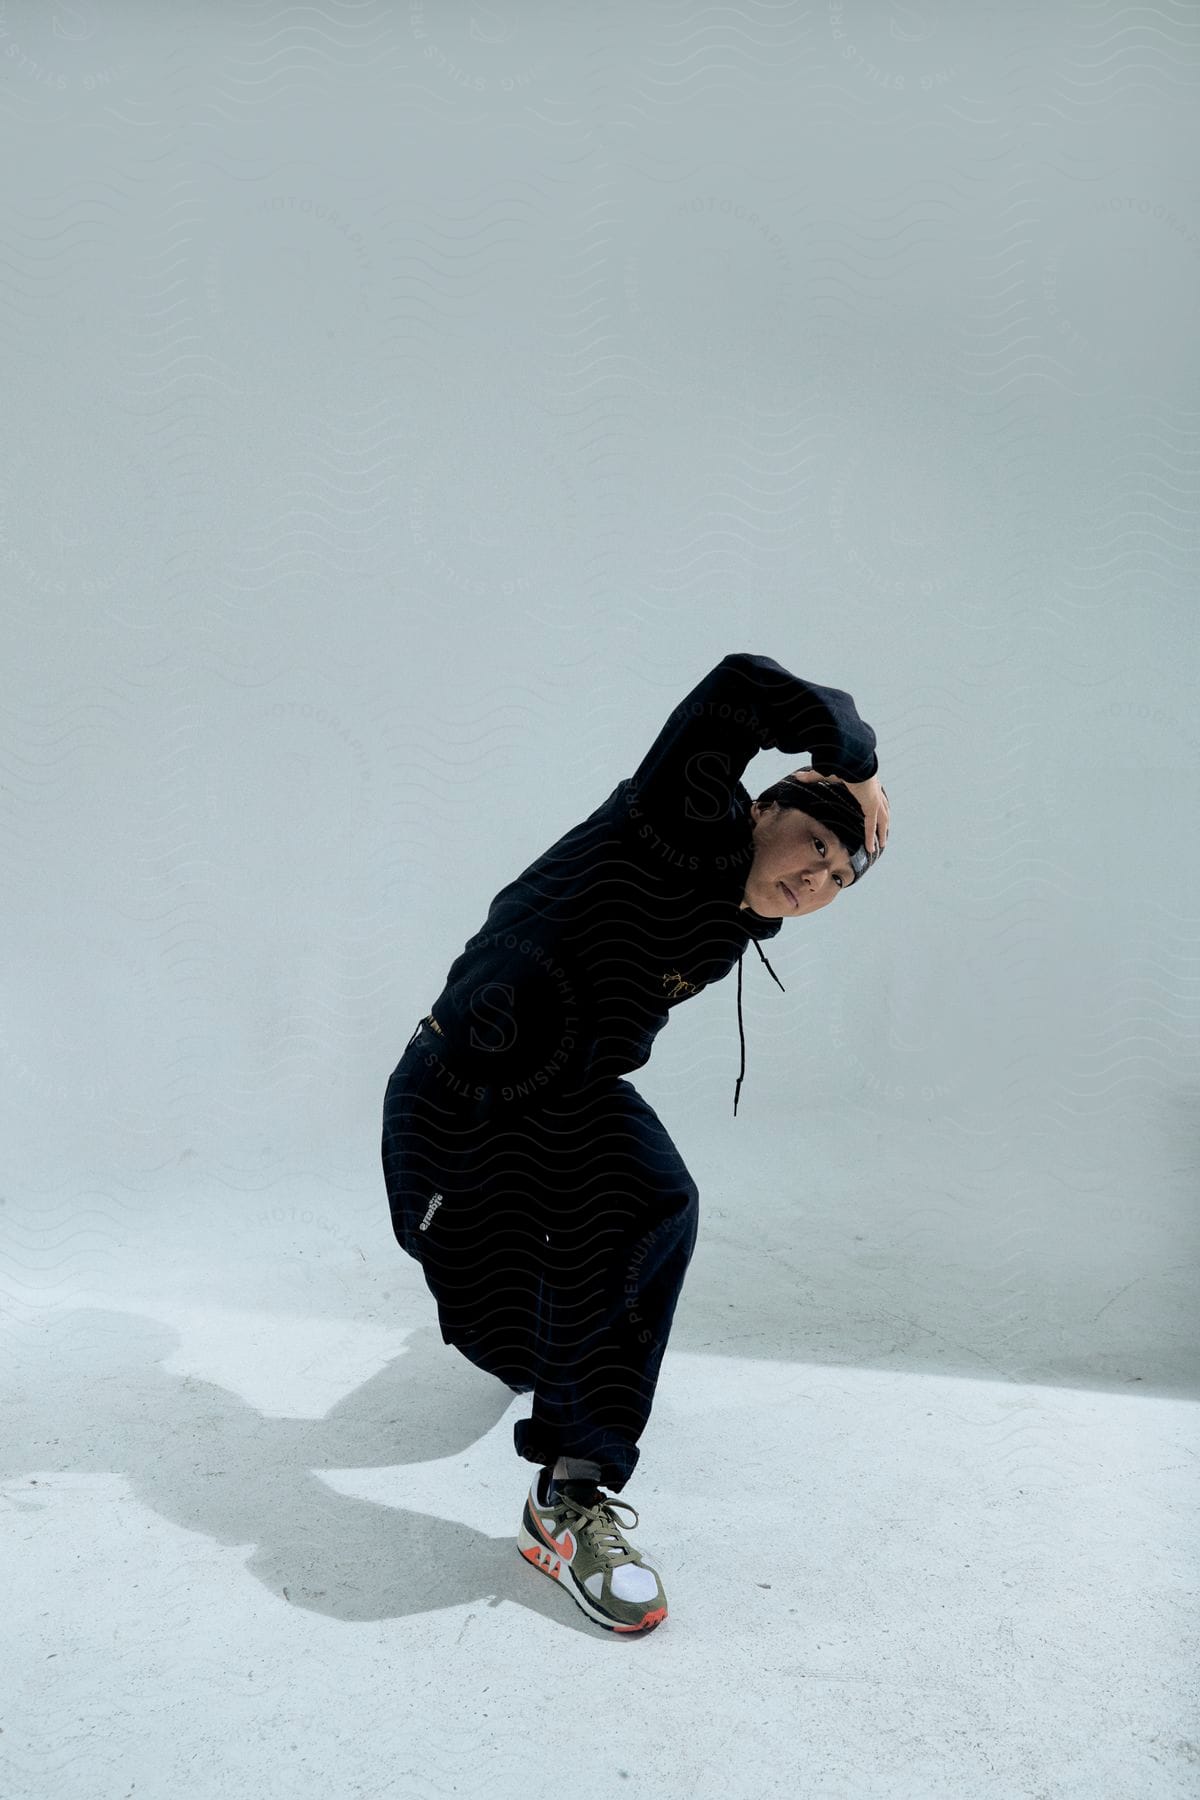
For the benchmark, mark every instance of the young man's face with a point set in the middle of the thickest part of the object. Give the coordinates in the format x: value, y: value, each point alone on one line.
x: 792, y: 851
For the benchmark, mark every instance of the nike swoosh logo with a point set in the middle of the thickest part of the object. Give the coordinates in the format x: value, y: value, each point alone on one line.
x: 563, y: 1546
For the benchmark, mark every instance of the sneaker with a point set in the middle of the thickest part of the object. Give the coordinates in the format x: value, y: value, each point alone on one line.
x: 582, y: 1547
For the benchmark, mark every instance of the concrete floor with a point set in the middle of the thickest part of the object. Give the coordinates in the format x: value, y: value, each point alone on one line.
x: 921, y: 1481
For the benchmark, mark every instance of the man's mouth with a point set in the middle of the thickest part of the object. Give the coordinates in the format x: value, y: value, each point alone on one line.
x: 787, y: 890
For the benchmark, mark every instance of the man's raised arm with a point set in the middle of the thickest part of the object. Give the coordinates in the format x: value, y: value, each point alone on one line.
x: 746, y: 704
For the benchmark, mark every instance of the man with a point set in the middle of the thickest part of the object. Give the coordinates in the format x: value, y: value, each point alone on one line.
x: 552, y: 1215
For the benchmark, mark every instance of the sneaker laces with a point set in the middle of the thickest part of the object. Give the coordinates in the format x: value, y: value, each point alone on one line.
x: 599, y: 1522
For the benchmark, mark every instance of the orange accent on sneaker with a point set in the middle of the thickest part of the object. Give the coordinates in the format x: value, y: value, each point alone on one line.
x: 565, y: 1545
x: 647, y: 1622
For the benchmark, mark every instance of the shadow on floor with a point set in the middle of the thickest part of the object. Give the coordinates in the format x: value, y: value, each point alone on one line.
x: 100, y: 1401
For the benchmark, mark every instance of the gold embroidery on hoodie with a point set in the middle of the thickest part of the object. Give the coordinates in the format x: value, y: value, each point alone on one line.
x: 680, y: 985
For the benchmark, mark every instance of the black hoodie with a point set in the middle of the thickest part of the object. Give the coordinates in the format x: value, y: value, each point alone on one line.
x: 636, y: 909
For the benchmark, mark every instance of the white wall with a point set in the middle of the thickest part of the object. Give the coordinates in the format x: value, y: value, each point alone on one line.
x: 401, y: 418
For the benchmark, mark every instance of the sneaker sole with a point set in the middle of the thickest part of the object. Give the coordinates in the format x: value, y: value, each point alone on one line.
x: 536, y: 1552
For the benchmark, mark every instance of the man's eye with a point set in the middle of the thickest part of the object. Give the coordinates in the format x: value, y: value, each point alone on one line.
x: 821, y: 847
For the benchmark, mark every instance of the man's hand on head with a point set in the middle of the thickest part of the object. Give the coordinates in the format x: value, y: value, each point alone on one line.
x: 870, y: 796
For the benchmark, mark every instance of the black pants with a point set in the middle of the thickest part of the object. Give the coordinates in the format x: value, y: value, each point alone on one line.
x: 555, y: 1243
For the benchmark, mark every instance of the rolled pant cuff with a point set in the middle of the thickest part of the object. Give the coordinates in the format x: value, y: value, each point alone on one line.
x: 617, y: 1459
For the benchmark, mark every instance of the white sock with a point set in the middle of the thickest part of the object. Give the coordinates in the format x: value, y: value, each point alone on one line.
x: 575, y: 1468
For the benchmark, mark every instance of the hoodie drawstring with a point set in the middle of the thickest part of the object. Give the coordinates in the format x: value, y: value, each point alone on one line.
x: 741, y: 1033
